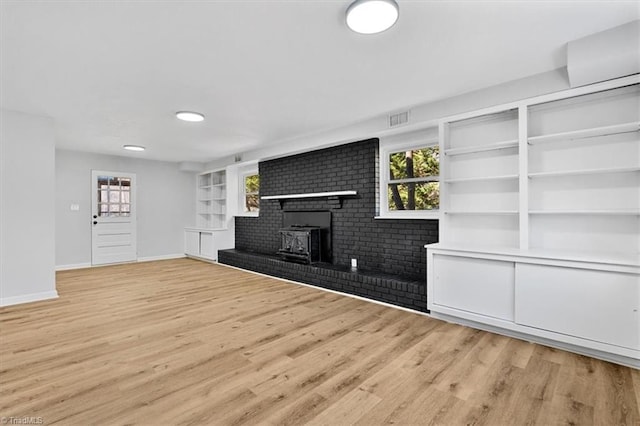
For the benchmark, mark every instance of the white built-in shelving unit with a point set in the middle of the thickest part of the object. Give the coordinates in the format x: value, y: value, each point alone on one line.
x: 480, y: 178
x: 203, y: 240
x: 540, y: 224
x: 212, y: 199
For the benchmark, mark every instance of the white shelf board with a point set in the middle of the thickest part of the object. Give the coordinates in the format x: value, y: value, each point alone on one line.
x: 585, y: 172
x: 611, y: 212
x: 614, y: 258
x: 482, y: 212
x: 309, y: 195
x: 482, y: 148
x: 634, y: 126
x: 415, y: 180
x: 482, y: 179
x: 203, y: 229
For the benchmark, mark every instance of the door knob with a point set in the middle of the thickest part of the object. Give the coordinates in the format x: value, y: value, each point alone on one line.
x: 95, y: 222
x: 95, y: 216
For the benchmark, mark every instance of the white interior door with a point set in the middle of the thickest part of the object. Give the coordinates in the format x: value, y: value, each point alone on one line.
x: 113, y: 221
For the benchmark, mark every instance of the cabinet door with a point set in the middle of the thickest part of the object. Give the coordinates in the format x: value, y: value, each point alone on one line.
x: 192, y: 243
x: 480, y: 286
x: 207, y: 248
x: 595, y: 305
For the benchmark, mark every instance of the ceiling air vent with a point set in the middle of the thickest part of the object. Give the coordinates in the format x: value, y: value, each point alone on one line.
x: 399, y: 119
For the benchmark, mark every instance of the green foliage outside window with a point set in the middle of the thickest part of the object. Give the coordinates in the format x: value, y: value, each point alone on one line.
x: 409, y: 173
x: 251, y: 193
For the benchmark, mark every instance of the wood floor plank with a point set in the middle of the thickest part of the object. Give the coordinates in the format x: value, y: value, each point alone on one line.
x: 188, y: 342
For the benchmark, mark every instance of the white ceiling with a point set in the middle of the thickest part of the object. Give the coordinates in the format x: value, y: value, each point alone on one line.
x: 114, y: 72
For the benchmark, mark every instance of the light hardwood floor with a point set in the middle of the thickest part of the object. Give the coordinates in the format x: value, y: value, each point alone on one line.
x: 187, y: 342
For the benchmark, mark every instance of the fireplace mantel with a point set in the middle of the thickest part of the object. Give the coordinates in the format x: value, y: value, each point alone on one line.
x: 335, y: 196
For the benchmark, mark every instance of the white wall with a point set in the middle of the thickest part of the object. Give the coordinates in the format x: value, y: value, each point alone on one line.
x: 539, y: 84
x: 166, y: 204
x: 27, y: 239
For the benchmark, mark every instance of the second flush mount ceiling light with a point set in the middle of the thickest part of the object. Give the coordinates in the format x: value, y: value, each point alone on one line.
x: 372, y: 16
x: 191, y: 116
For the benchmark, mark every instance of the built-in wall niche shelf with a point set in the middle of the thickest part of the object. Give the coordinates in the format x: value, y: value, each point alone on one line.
x: 213, y: 186
x: 585, y: 172
x: 211, y: 199
x: 482, y: 148
x: 335, y: 197
x: 482, y: 212
x: 481, y: 179
x: 576, y: 135
x: 619, y: 212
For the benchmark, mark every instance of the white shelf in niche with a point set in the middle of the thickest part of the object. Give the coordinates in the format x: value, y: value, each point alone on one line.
x: 482, y: 148
x: 633, y: 126
x: 482, y: 179
x: 626, y: 212
x: 482, y: 212
x: 585, y: 172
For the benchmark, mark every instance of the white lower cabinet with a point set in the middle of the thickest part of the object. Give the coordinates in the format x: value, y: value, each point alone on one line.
x: 200, y: 243
x: 597, y: 305
x: 481, y: 286
x: 581, y: 305
x: 192, y: 243
x: 207, y: 248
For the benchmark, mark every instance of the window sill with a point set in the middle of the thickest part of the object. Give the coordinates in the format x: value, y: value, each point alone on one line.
x: 430, y: 215
x: 247, y: 214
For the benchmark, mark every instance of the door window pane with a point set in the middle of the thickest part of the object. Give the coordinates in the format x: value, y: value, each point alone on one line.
x: 114, y: 196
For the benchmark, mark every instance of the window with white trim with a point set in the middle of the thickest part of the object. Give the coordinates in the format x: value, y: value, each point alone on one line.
x: 410, y: 175
x: 251, y: 188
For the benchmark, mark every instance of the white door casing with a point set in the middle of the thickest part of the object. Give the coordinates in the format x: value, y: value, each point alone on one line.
x: 113, y: 217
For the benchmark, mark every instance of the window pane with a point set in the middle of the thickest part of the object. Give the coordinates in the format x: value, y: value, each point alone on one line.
x: 114, y: 196
x: 414, y: 196
x: 114, y: 208
x: 251, y: 184
x: 103, y: 210
x: 251, y: 191
x: 125, y: 207
x: 103, y: 181
x: 125, y: 197
x: 125, y: 183
x: 414, y: 163
x: 252, y: 203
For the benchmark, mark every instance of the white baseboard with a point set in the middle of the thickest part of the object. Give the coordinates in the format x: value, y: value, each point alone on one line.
x: 162, y: 257
x: 27, y: 298
x: 72, y: 266
x: 140, y: 259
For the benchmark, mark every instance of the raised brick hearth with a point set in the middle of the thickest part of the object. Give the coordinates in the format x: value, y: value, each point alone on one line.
x: 370, y: 284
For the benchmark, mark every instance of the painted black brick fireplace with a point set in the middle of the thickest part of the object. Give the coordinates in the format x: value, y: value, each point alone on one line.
x: 388, y: 247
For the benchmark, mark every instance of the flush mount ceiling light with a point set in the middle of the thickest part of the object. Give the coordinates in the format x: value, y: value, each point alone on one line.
x: 189, y: 116
x: 372, y: 16
x: 133, y: 147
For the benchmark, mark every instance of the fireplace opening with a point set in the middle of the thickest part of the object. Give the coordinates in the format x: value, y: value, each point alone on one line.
x: 306, y: 236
